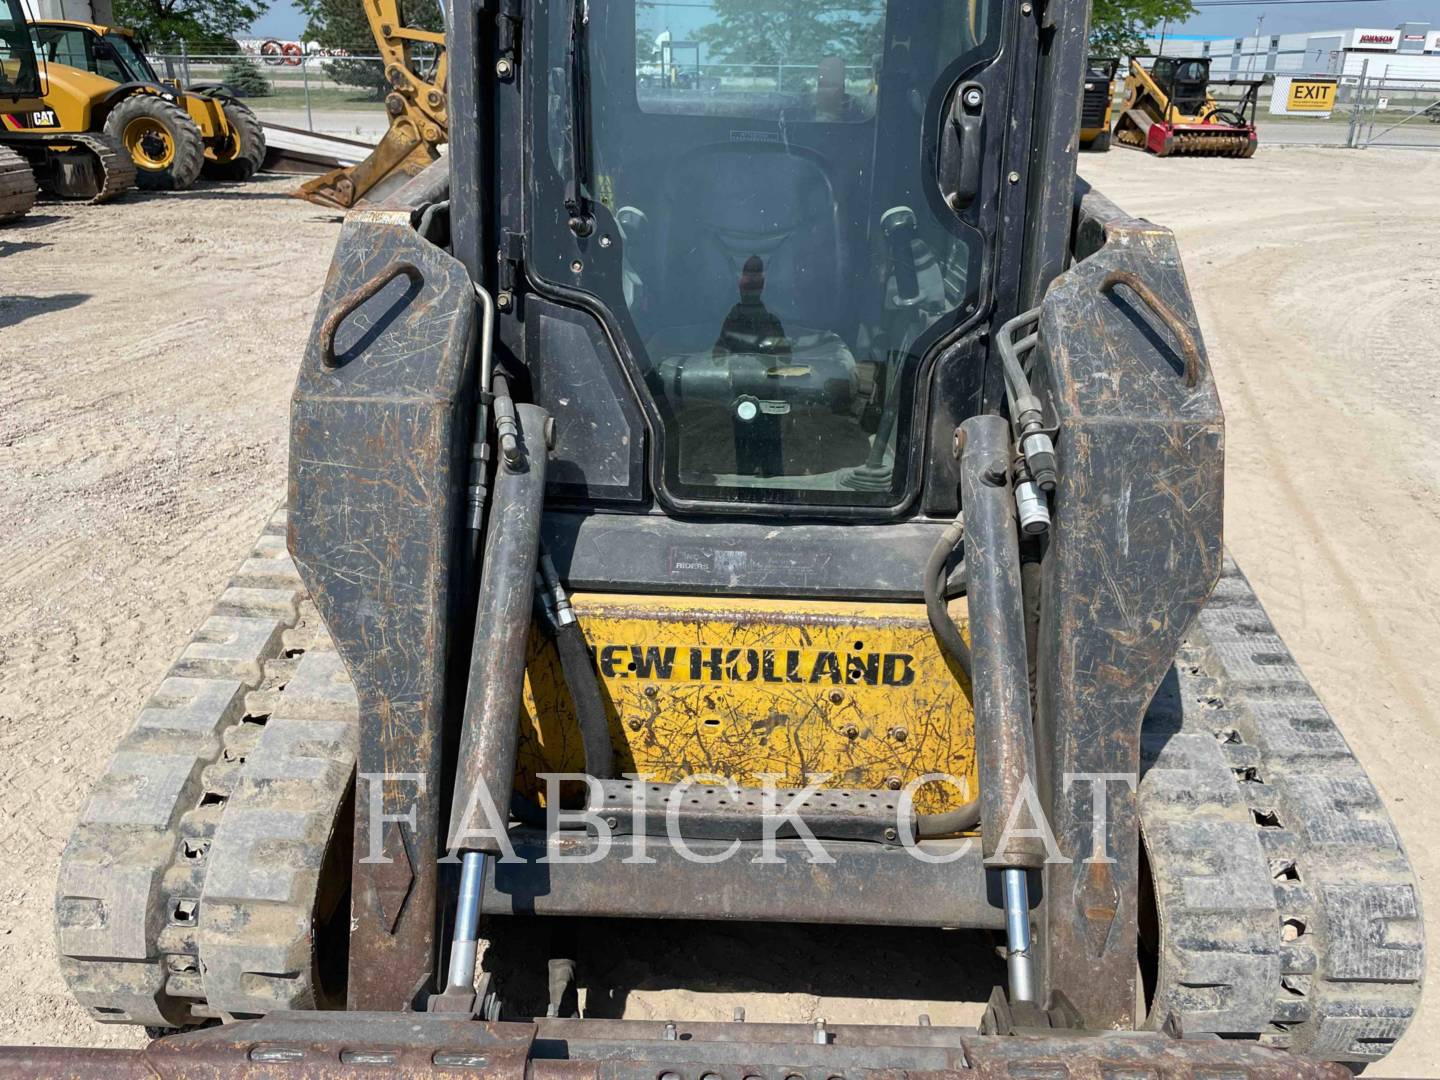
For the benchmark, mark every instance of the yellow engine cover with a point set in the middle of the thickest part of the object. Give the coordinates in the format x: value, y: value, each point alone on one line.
x: 741, y: 688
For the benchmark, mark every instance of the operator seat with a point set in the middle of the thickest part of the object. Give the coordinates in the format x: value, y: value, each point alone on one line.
x: 721, y: 205
x: 736, y: 212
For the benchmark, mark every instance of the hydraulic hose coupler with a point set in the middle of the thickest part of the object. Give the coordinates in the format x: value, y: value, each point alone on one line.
x: 1030, y: 508
x: 1039, y: 454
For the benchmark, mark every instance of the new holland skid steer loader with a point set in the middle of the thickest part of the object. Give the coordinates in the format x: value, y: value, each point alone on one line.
x: 776, y: 499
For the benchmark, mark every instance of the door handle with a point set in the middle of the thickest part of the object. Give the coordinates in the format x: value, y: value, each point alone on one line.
x: 960, y: 159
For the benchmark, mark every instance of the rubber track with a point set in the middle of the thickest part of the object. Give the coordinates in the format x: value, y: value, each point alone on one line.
x: 132, y: 884
x: 18, y: 190
x: 117, y: 170
x: 1289, y: 911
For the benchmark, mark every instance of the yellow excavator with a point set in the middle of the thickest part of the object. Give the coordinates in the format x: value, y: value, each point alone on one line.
x: 66, y: 157
x: 100, y: 78
x: 416, y: 105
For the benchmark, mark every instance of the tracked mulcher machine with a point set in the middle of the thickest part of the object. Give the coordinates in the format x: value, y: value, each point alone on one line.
x: 788, y: 502
x: 1169, y: 109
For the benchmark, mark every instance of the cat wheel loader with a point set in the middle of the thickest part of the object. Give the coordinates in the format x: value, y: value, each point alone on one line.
x: 66, y: 159
x: 730, y: 507
x: 100, y: 76
x: 1169, y: 109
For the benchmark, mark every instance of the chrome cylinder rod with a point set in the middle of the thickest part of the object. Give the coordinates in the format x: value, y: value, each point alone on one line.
x: 1017, y: 932
x: 464, y: 947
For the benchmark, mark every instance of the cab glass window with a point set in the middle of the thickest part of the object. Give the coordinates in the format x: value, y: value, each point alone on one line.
x: 804, y: 61
x: 19, y: 73
x: 59, y: 45
x: 765, y: 171
x: 130, y: 59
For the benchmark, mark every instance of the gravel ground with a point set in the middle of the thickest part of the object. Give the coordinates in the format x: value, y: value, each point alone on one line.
x: 148, y: 359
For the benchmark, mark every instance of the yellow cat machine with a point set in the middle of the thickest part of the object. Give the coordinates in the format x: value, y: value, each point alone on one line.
x: 99, y: 76
x: 1168, y: 110
x: 1096, y: 102
x: 417, y: 107
x: 63, y: 156
x: 719, y: 507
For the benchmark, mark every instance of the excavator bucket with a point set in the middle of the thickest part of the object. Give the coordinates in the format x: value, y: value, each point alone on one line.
x: 720, y: 496
x: 416, y: 105
x: 401, y: 155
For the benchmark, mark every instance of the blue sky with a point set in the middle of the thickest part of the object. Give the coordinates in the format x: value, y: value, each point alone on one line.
x: 285, y: 21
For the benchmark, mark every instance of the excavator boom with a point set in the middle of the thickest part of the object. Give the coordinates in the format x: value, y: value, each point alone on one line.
x: 416, y: 105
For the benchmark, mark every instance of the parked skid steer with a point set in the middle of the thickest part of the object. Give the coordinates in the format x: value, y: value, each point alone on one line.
x: 1168, y: 110
x: 1097, y: 103
x: 100, y: 76
x: 783, y: 502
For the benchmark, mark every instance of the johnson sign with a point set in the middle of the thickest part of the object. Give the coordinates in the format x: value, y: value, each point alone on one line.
x: 1387, y: 40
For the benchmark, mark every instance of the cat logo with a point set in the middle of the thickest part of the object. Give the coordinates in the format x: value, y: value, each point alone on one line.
x: 44, y: 118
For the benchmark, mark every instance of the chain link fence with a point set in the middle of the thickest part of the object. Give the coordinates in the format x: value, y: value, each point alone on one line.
x: 340, y: 95
x: 1395, y: 112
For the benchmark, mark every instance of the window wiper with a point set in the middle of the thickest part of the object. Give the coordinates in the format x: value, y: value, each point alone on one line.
x: 576, y: 205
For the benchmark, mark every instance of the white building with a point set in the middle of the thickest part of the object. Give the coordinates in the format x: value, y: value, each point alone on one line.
x: 1408, y: 51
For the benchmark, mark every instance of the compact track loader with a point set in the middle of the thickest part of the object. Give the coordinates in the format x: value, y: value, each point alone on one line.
x: 784, y: 502
x: 99, y: 76
x: 66, y: 159
x: 1097, y: 103
x: 1168, y: 110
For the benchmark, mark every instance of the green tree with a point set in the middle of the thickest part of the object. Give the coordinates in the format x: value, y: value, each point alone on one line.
x: 341, y: 25
x: 795, y: 31
x: 1119, y: 27
x: 244, y: 76
x: 204, y: 25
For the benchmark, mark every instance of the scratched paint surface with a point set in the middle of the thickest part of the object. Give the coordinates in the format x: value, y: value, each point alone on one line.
x: 856, y: 693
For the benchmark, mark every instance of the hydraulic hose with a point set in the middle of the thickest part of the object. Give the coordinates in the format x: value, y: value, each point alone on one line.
x: 936, y: 587
x: 580, y: 679
x: 962, y: 819
x: 1017, y: 383
x: 935, y: 582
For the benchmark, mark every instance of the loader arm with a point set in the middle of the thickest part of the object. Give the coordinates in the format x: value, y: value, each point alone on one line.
x: 417, y: 108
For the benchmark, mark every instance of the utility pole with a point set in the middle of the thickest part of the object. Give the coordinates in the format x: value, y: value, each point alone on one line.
x: 1258, y: 24
x: 1164, y: 28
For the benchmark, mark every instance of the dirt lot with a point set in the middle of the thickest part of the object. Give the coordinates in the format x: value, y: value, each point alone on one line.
x: 147, y: 365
